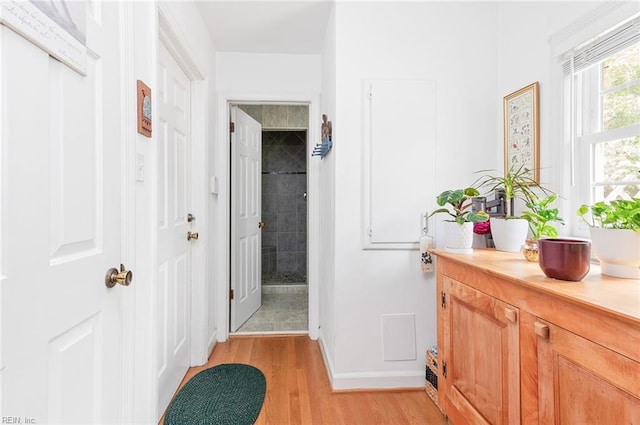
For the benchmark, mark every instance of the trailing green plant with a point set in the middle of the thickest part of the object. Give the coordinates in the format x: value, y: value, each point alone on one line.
x: 540, y: 214
x: 517, y: 183
x: 460, y: 201
x: 616, y: 214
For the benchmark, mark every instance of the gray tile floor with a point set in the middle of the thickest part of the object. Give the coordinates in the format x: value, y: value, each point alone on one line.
x: 284, y: 309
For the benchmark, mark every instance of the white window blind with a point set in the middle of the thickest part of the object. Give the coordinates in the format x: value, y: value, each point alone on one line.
x: 602, y: 46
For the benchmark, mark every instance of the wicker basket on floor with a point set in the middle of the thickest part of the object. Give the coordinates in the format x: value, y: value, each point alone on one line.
x: 431, y: 375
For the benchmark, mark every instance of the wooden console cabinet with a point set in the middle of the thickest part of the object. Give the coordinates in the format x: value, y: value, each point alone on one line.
x: 516, y: 347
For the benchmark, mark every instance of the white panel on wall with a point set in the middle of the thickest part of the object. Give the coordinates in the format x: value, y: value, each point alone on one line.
x: 399, y: 153
x: 399, y: 337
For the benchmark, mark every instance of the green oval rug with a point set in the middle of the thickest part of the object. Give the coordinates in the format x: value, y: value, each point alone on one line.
x: 227, y: 394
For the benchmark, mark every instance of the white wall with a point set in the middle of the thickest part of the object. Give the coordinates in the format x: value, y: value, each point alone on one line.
x: 454, y: 45
x: 257, y: 77
x: 524, y: 57
x: 477, y: 53
x: 327, y: 198
x: 143, y: 50
x: 256, y: 73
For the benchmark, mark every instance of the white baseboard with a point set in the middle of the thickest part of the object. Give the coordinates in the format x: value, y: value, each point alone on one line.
x: 213, y: 340
x: 327, y: 360
x: 378, y: 380
x: 370, y: 380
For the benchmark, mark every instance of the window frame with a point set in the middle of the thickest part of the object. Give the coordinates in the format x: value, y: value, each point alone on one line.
x: 582, y: 120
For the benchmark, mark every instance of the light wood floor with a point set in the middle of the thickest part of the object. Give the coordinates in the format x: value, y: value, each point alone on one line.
x: 298, y: 389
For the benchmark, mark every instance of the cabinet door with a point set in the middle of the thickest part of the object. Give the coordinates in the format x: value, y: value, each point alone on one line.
x: 481, y: 352
x: 581, y: 382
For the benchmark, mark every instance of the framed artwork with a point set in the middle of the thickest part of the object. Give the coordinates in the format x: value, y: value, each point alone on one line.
x: 144, y: 109
x: 521, y: 131
x: 56, y: 26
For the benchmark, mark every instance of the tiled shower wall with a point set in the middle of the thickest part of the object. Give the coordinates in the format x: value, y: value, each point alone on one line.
x: 284, y: 207
x: 279, y: 117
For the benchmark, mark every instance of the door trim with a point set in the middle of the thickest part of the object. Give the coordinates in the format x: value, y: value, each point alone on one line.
x: 221, y: 226
x: 128, y: 194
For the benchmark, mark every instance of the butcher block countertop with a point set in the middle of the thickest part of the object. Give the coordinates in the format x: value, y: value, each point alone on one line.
x: 616, y: 296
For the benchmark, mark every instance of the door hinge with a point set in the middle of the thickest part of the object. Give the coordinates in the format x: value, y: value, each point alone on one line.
x: 231, y: 294
x: 232, y: 127
x: 443, y: 299
x: 444, y: 369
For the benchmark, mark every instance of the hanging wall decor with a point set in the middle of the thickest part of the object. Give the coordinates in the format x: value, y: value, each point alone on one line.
x: 322, y: 149
x: 58, y: 27
x: 144, y: 109
x: 521, y: 129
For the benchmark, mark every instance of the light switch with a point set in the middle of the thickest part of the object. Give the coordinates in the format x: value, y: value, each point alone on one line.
x: 139, y: 167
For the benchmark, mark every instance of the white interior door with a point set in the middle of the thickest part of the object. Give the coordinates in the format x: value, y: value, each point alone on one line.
x: 173, y: 294
x: 246, y: 210
x: 62, y: 351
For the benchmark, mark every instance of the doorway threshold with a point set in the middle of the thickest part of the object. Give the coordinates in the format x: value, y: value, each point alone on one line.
x: 284, y: 309
x: 268, y: 333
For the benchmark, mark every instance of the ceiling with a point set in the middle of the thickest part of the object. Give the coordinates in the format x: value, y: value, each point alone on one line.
x: 263, y: 26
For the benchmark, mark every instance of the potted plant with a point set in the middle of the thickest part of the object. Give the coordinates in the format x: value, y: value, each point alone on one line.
x: 539, y: 215
x: 510, y: 232
x: 459, y: 229
x: 615, y: 235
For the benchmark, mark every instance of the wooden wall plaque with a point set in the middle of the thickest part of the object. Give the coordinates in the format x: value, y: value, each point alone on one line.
x: 144, y: 109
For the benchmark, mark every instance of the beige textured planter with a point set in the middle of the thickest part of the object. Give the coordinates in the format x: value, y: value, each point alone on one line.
x: 618, y: 251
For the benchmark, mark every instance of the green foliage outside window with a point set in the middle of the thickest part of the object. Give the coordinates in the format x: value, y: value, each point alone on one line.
x: 621, y: 108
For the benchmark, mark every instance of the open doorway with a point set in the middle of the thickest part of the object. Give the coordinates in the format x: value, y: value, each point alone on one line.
x: 283, y: 247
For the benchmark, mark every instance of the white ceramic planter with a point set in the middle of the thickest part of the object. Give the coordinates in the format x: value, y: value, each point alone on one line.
x: 618, y: 251
x: 458, y: 237
x: 509, y: 235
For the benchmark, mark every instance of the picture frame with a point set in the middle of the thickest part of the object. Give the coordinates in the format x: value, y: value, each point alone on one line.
x: 522, y: 131
x: 144, y: 109
x: 58, y: 27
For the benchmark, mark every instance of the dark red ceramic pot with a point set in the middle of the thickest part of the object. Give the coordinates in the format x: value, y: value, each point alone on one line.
x: 564, y: 259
